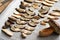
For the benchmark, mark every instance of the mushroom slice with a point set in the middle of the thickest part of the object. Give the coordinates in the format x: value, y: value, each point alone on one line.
x: 52, y: 17
x: 42, y: 23
x: 16, y: 16
x: 11, y: 21
x: 26, y: 32
x: 35, y: 21
x: 32, y: 24
x: 15, y: 29
x: 55, y: 0
x: 35, y: 5
x: 36, y: 17
x: 30, y: 1
x: 40, y: 15
x: 31, y: 9
x: 20, y: 22
x: 30, y: 13
x: 47, y: 4
x: 16, y: 12
x: 7, y: 23
x: 44, y: 10
x: 9, y: 33
x: 50, y: 1
x: 29, y: 28
x: 23, y: 35
x: 12, y: 18
x: 25, y: 4
x: 20, y: 10
x: 27, y: 16
x: 19, y: 26
x: 46, y: 32
x: 55, y: 14
x: 24, y: 19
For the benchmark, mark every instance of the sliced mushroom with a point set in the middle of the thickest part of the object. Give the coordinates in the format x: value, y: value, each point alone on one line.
x: 30, y: 13
x: 30, y: 1
x: 12, y: 18
x: 35, y: 21
x: 9, y: 33
x: 36, y: 17
x: 4, y: 27
x: 19, y: 26
x: 20, y: 22
x: 44, y: 10
x: 50, y: 1
x: 16, y: 12
x: 29, y: 28
x: 27, y: 16
x: 40, y: 15
x: 35, y: 5
x: 7, y: 23
x: 42, y: 23
x: 46, y: 20
x: 31, y: 9
x: 21, y: 10
x: 23, y: 35
x: 52, y: 17
x: 24, y: 19
x: 25, y: 4
x: 26, y: 32
x: 55, y: 14
x: 32, y: 24
x: 11, y: 21
x: 47, y: 4
x: 16, y: 16
x: 15, y: 29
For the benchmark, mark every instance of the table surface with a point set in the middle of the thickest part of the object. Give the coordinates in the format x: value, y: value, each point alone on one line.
x: 34, y: 36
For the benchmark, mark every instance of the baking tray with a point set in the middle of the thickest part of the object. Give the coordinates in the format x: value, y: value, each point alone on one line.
x: 34, y: 36
x: 4, y: 4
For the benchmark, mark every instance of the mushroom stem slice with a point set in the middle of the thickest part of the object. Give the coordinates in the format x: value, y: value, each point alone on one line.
x: 23, y: 35
x: 20, y: 10
x: 30, y: 1
x: 47, y: 4
x: 9, y: 33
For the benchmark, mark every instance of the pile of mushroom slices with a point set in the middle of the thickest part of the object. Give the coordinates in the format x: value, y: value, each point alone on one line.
x: 25, y: 18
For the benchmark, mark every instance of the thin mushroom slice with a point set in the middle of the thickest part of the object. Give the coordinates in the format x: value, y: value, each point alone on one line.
x: 15, y: 29
x: 24, y: 35
x: 19, y: 26
x: 50, y: 1
x: 44, y: 10
x: 27, y: 16
x: 40, y: 15
x: 30, y: 13
x: 32, y: 24
x: 35, y: 5
x: 16, y: 12
x: 42, y: 23
x: 24, y: 5
x: 16, y: 16
x: 21, y: 10
x: 52, y: 17
x: 36, y: 17
x: 35, y: 21
x: 26, y: 32
x: 24, y: 19
x: 20, y: 22
x: 7, y: 23
x: 9, y: 33
x: 12, y: 18
x: 30, y: 1
x: 29, y: 28
x: 55, y: 14
x: 47, y: 4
